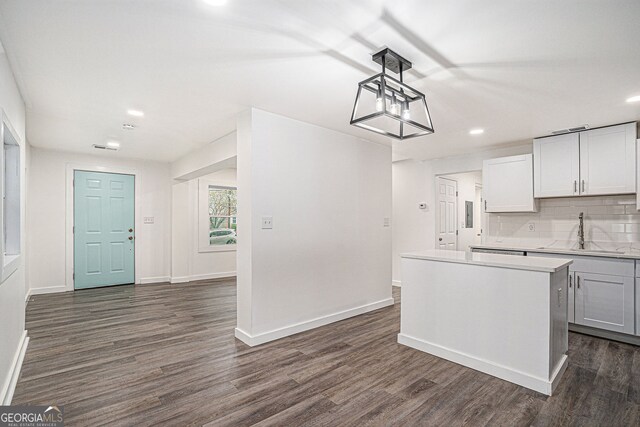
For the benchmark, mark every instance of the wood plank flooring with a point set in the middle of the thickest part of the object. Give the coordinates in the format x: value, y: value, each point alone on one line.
x: 164, y: 354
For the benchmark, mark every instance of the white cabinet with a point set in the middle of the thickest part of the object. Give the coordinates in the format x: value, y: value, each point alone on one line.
x: 608, y: 160
x: 605, y: 302
x: 638, y: 173
x: 556, y: 165
x: 602, y: 292
x: 507, y: 184
x: 593, y: 162
x: 571, y: 298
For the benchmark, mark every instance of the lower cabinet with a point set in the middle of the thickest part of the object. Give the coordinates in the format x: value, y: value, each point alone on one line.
x: 604, y: 301
x: 603, y: 292
x: 571, y: 316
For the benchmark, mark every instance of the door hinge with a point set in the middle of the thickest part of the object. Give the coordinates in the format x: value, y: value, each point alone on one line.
x: 74, y: 276
x: 456, y: 232
x: 74, y: 229
x: 456, y: 194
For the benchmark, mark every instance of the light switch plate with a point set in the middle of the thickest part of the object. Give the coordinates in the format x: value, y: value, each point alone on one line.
x: 267, y: 222
x: 386, y: 222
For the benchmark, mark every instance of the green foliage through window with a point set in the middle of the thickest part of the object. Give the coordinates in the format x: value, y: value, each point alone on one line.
x: 223, y: 213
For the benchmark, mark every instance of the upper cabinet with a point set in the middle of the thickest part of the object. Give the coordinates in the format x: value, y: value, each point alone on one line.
x: 608, y: 160
x: 556, y: 165
x: 593, y: 162
x: 507, y: 183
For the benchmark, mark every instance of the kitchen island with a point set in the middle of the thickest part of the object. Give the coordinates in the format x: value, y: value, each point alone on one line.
x: 499, y: 314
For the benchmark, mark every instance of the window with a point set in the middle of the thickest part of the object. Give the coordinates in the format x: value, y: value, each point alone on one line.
x: 10, y: 166
x: 222, y: 216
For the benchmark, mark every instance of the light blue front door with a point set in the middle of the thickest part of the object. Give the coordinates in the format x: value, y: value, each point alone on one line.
x: 103, y: 229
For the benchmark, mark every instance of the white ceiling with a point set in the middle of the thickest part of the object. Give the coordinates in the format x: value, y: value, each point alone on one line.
x: 518, y: 69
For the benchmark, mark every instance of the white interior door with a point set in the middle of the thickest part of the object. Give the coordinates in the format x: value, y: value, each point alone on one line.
x: 447, y: 200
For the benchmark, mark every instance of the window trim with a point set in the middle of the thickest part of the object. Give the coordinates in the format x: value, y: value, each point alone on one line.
x: 203, y: 216
x: 9, y: 263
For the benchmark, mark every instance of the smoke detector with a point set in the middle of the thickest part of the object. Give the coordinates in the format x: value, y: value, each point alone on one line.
x: 128, y: 126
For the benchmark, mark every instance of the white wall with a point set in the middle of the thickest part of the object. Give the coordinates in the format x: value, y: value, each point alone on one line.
x: 13, y: 289
x: 328, y: 255
x: 412, y: 231
x: 48, y: 220
x: 189, y: 261
x: 410, y: 223
x: 217, y: 155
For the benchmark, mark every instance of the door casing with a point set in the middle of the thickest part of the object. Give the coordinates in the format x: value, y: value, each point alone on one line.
x: 69, y: 218
x: 455, y: 212
x: 106, y: 278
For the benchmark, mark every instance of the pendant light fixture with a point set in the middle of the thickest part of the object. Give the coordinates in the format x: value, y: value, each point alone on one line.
x: 387, y: 105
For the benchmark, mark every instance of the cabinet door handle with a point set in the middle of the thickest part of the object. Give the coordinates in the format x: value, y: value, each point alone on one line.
x: 485, y: 205
x: 578, y: 281
x: 575, y: 186
x: 570, y: 281
x: 583, y: 185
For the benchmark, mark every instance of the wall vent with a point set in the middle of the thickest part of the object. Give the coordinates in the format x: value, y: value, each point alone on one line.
x: 104, y: 147
x: 570, y: 130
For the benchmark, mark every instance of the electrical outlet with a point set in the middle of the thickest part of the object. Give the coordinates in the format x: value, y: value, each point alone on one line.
x: 267, y: 222
x: 531, y: 226
x: 149, y: 220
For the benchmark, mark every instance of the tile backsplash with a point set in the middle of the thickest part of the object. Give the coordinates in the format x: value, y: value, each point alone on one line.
x: 610, y: 223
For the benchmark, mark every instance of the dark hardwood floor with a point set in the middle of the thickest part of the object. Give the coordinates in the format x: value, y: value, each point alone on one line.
x: 165, y: 354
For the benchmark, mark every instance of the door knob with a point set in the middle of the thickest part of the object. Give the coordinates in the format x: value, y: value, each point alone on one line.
x: 131, y: 230
x: 440, y: 239
x: 130, y: 237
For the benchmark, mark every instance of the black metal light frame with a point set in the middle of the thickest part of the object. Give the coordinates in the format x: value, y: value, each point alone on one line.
x: 391, y: 87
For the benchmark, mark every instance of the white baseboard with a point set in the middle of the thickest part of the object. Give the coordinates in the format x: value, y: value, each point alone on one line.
x: 184, y: 279
x: 159, y: 279
x: 540, y: 385
x: 261, y: 338
x: 13, y: 374
x: 47, y: 290
x: 27, y: 295
x: 397, y: 283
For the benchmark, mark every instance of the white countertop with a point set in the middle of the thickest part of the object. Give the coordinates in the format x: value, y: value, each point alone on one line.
x: 560, y: 251
x: 550, y: 265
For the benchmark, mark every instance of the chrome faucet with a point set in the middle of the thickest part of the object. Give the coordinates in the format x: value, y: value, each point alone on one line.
x: 581, y: 231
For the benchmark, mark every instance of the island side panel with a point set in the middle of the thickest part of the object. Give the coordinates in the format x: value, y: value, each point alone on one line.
x: 559, y: 292
x: 497, y: 315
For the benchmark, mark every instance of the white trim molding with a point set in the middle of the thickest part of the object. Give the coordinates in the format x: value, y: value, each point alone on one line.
x: 159, y: 279
x: 185, y: 279
x: 540, y: 385
x: 9, y: 386
x: 261, y: 338
x: 397, y: 283
x: 48, y: 290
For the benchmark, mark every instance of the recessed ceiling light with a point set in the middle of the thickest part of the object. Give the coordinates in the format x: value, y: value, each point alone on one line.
x: 128, y: 126
x: 135, y: 113
x: 216, y: 2
x: 476, y: 131
x: 634, y: 98
x: 113, y: 144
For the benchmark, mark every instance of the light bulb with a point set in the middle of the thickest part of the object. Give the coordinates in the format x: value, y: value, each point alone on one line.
x: 395, y: 107
x: 406, y: 113
x: 379, y: 103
